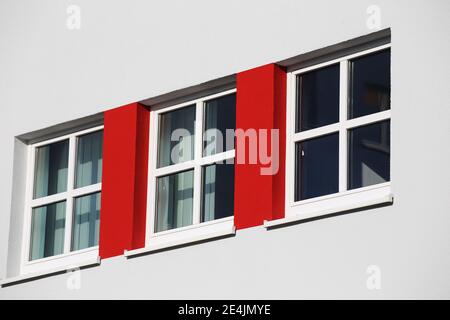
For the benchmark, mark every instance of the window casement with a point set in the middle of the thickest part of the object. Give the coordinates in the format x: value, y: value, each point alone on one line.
x: 62, y: 212
x: 338, y: 135
x: 191, y: 170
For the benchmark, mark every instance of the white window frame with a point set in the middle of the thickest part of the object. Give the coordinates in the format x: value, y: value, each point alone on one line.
x: 68, y: 259
x: 198, y: 230
x: 344, y: 199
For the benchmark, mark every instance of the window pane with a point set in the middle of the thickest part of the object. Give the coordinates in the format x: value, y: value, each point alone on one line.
x: 218, y: 191
x: 86, y: 221
x: 317, y: 167
x: 50, y: 175
x: 220, y: 114
x: 369, y: 154
x: 47, y: 230
x: 89, y: 159
x: 370, y: 89
x: 174, y: 201
x: 317, y: 98
x: 182, y: 148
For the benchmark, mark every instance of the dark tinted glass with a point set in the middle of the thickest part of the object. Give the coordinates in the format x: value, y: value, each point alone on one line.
x: 317, y: 98
x: 86, y: 221
x: 50, y: 173
x: 89, y: 159
x: 218, y: 191
x: 317, y: 167
x: 174, y: 201
x: 220, y: 114
x: 369, y: 154
x: 47, y: 230
x: 370, y: 89
x: 180, y: 146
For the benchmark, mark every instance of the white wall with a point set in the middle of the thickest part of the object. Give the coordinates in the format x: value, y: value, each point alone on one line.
x: 128, y: 51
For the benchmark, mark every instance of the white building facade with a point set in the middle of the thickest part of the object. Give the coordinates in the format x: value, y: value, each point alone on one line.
x: 95, y: 205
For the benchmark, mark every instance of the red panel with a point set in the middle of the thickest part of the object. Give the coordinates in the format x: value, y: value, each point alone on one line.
x: 260, y: 104
x: 124, y: 182
x: 141, y: 178
x: 278, y: 187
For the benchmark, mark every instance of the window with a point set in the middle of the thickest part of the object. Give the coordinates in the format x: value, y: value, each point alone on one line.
x: 191, y: 181
x: 63, y: 210
x: 338, y: 141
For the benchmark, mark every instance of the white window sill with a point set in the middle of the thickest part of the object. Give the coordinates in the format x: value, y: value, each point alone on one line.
x: 64, y: 260
x: 189, y: 236
x: 46, y: 273
x: 385, y: 199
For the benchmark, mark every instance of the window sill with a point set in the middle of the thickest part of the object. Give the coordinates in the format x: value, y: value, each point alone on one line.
x: 385, y: 199
x: 47, y: 273
x: 187, y: 237
x: 64, y: 260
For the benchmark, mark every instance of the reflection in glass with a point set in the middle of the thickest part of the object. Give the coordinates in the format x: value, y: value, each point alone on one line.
x: 220, y: 114
x: 50, y: 176
x: 317, y: 167
x: 317, y: 98
x: 369, y: 154
x: 174, y: 201
x: 176, y: 125
x: 218, y: 191
x: 370, y: 84
x: 89, y: 159
x: 86, y: 221
x: 47, y: 230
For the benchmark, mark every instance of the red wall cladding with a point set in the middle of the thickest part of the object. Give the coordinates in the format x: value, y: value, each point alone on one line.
x: 260, y: 104
x: 124, y: 182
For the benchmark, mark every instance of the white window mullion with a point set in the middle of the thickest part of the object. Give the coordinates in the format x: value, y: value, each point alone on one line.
x: 153, y: 158
x: 343, y: 105
x: 198, y: 150
x: 39, y: 202
x: 175, y: 168
x: 70, y: 186
x: 26, y: 242
x: 371, y: 118
x: 93, y: 188
x: 217, y: 158
x: 290, y: 141
x: 316, y: 132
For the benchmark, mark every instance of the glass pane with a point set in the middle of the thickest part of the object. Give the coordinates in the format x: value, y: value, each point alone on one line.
x: 86, y: 222
x: 174, y: 197
x: 369, y: 154
x: 47, y: 230
x: 317, y: 167
x: 176, y: 136
x: 89, y: 159
x: 370, y: 84
x: 50, y: 174
x: 218, y: 191
x: 317, y: 98
x: 220, y: 114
